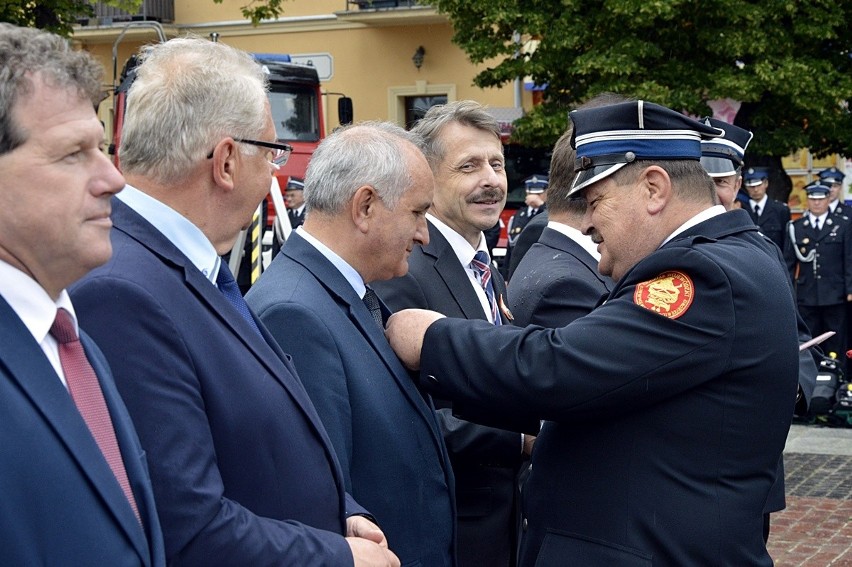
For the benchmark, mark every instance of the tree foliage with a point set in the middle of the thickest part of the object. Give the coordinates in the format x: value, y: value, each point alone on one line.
x: 787, y: 61
x: 55, y: 15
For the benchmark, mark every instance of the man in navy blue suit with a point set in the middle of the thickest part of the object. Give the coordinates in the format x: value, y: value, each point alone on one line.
x: 243, y: 470
x: 75, y: 488
x: 662, y: 435
x: 367, y: 189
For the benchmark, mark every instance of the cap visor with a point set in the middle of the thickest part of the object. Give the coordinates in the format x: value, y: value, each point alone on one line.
x: 718, y: 167
x: 586, y: 177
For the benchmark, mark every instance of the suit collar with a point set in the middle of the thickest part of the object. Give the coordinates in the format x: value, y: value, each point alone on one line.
x: 559, y: 241
x: 446, y: 263
x: 342, y: 292
x: 136, y: 227
x: 179, y: 230
x: 29, y: 368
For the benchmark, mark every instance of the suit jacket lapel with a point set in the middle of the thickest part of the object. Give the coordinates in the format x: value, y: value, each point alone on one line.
x: 266, y: 350
x: 452, y: 273
x: 30, y: 369
x: 298, y: 250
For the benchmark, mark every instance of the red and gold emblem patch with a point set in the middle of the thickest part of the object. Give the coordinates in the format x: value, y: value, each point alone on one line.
x: 669, y: 294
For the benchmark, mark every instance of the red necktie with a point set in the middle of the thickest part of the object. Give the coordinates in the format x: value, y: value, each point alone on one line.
x: 86, y: 393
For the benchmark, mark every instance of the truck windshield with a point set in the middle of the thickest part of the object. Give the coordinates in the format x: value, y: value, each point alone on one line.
x: 294, y: 110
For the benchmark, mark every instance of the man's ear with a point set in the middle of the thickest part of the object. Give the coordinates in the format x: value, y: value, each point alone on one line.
x: 225, y: 164
x: 658, y: 187
x: 363, y: 207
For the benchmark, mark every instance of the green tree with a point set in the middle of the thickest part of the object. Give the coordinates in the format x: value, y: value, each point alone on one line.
x: 54, y: 15
x: 787, y: 61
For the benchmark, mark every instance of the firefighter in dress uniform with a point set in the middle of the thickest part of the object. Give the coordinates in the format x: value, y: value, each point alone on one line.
x: 833, y: 178
x: 818, y: 251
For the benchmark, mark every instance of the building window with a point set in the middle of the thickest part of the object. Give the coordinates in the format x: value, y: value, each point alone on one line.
x: 416, y: 107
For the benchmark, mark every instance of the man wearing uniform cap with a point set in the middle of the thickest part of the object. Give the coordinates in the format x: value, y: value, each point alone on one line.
x: 833, y: 178
x: 294, y: 199
x: 768, y: 214
x: 662, y: 435
x: 722, y: 159
x: 534, y: 201
x: 818, y: 250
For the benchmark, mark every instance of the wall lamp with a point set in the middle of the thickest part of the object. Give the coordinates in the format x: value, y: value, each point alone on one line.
x: 418, y: 57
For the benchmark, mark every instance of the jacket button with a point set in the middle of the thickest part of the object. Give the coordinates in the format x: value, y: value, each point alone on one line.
x: 431, y: 378
x: 524, y: 524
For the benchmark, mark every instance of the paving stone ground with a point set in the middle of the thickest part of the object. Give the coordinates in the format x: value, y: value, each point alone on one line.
x: 816, y: 528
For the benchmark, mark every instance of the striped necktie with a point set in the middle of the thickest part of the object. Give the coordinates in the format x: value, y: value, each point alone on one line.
x: 481, y: 268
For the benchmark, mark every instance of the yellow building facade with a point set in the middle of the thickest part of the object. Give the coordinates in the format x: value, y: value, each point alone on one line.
x: 364, y: 52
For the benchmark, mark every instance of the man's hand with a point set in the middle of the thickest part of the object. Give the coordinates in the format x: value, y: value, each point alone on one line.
x: 359, y: 526
x: 368, y: 544
x: 405, y: 330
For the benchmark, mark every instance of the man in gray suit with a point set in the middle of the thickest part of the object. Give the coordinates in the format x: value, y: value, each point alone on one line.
x: 367, y: 189
x: 452, y: 274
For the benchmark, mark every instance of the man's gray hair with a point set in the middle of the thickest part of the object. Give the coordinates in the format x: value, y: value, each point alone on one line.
x: 189, y: 93
x: 26, y: 53
x: 464, y: 112
x: 367, y: 153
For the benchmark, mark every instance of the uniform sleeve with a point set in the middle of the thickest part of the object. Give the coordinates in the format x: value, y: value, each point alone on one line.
x: 620, y: 357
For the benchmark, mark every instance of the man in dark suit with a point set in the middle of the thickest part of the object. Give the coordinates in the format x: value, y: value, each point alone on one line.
x: 243, y: 470
x: 558, y: 279
x: 452, y: 274
x: 663, y: 432
x: 364, y: 220
x: 819, y: 255
x: 768, y: 214
x: 75, y: 487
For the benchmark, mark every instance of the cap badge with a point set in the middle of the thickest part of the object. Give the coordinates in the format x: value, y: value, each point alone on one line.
x: 670, y: 294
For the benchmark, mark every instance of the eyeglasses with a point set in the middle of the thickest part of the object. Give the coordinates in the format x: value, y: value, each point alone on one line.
x: 280, y: 152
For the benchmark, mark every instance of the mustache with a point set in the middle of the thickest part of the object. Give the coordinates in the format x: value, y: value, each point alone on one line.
x: 596, y: 236
x: 490, y: 194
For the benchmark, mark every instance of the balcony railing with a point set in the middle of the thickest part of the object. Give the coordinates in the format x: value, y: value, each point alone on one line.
x: 162, y: 11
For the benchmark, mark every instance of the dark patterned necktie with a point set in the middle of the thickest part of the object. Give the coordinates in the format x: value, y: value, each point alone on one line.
x: 756, y: 211
x: 371, y: 300
x: 89, y: 398
x: 229, y: 288
x: 483, y: 276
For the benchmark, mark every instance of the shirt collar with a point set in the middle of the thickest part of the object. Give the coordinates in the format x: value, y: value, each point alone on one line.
x: 762, y: 202
x: 699, y: 218
x: 187, y: 237
x: 582, y: 240
x: 464, y: 251
x: 31, y: 302
x: 346, y: 270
